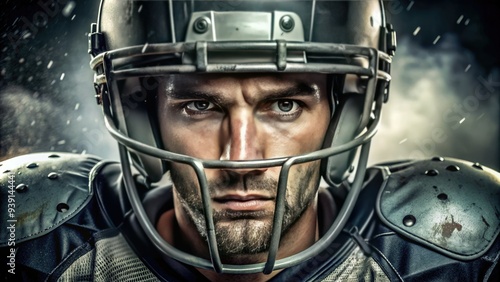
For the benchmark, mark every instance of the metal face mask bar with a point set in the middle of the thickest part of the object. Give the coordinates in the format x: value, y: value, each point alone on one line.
x: 270, y: 54
x: 199, y: 166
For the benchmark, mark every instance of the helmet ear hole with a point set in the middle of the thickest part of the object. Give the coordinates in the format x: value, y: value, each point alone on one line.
x: 136, y: 120
x: 344, y: 127
x: 139, y: 122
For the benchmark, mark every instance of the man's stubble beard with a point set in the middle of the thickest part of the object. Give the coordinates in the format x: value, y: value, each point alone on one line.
x: 245, y: 233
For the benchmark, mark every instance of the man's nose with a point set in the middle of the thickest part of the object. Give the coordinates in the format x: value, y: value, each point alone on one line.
x: 242, y: 140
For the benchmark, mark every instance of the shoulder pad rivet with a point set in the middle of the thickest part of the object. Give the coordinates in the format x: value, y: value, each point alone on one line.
x: 62, y: 207
x: 438, y: 159
x: 432, y: 172
x: 478, y: 166
x: 453, y: 168
x: 409, y: 220
x: 21, y: 188
x: 54, y: 156
x: 53, y: 175
x: 443, y: 197
x: 32, y: 165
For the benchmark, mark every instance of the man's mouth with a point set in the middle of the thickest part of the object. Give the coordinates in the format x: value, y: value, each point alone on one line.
x: 243, y: 202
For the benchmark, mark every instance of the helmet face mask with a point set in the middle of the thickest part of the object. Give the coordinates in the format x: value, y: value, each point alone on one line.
x: 137, y: 45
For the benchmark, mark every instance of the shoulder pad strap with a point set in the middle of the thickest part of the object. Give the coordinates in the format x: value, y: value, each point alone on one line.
x: 451, y: 206
x: 40, y: 192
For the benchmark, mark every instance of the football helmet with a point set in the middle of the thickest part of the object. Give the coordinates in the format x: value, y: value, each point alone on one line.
x: 135, y: 42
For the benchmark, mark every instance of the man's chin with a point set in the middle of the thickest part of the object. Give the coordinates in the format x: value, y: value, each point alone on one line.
x: 243, y: 237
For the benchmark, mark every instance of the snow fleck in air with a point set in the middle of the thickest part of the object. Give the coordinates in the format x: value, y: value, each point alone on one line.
x: 436, y: 40
x: 462, y: 120
x: 61, y: 142
x: 22, y: 60
x: 68, y: 8
x: 402, y: 141
x: 410, y: 5
x: 417, y: 30
x: 467, y: 68
x: 62, y: 76
x: 467, y: 21
x: 77, y: 106
x: 460, y: 19
x: 144, y: 48
x: 50, y: 64
x: 140, y: 9
x: 73, y: 17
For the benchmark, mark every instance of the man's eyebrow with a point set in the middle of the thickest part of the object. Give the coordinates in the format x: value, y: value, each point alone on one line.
x: 191, y: 94
x: 299, y: 89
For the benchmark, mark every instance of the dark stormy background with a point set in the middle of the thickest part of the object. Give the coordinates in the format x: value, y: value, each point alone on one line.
x: 444, y: 97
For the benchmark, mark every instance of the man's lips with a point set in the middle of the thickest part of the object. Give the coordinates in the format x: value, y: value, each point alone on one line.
x: 243, y: 202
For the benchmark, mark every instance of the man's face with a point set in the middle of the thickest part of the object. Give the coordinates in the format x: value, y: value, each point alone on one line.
x: 243, y: 117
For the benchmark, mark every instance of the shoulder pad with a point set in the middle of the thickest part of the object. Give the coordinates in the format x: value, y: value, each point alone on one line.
x: 41, y: 191
x: 449, y: 205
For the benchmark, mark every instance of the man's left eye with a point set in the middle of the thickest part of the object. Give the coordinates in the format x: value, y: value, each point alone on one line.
x: 200, y: 106
x: 285, y: 106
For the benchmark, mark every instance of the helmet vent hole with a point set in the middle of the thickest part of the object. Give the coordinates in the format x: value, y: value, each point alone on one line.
x: 443, y: 197
x: 62, y: 207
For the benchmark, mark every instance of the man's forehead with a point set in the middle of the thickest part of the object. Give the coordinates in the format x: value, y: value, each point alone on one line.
x: 204, y: 79
x: 278, y: 81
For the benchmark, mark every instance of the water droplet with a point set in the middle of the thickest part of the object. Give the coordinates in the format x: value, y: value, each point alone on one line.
x: 478, y: 166
x: 432, y: 172
x: 21, y: 188
x: 32, y: 165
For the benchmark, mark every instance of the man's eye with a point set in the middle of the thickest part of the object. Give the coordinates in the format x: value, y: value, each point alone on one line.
x: 200, y: 106
x: 285, y: 106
